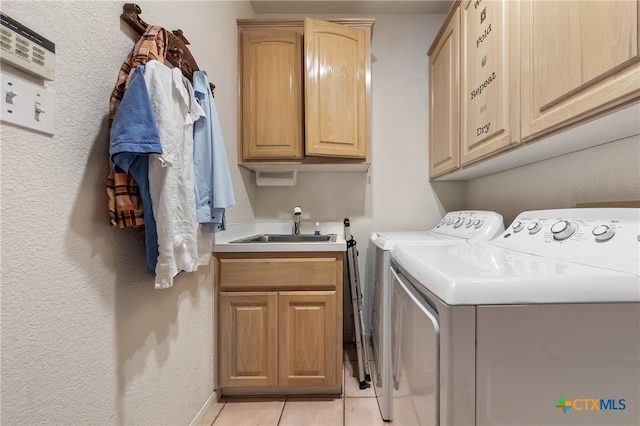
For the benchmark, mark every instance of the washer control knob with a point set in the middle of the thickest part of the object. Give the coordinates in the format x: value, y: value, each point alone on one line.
x: 477, y: 223
x: 534, y: 228
x: 517, y: 226
x: 603, y: 233
x: 468, y: 223
x: 562, y: 230
x: 458, y: 222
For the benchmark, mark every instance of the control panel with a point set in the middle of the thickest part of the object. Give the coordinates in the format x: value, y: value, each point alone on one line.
x: 471, y: 224
x: 608, y: 237
x: 26, y: 48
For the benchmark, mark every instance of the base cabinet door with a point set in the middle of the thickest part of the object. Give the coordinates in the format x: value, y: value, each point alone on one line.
x: 308, y: 355
x: 248, y: 335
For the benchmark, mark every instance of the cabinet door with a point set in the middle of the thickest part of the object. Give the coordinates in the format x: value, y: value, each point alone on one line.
x: 444, y: 101
x: 272, y: 126
x: 248, y: 329
x: 579, y: 59
x: 336, y: 85
x: 490, y: 98
x: 308, y: 338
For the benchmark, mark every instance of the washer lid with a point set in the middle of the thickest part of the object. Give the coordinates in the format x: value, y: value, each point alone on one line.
x: 387, y: 240
x: 455, y: 227
x: 481, y: 274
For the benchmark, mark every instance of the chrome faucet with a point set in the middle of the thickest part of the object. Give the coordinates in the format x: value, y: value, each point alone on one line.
x: 297, y: 212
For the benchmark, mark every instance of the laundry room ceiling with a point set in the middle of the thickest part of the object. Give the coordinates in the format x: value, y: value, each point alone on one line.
x: 352, y: 6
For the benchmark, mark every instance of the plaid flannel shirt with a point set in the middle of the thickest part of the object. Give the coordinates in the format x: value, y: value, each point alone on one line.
x: 125, y: 204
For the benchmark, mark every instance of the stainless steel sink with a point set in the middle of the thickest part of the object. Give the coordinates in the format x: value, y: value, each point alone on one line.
x: 288, y: 238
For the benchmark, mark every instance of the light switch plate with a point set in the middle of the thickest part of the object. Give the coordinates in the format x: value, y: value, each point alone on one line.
x: 27, y: 104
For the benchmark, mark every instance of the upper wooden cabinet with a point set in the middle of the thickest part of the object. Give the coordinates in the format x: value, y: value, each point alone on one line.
x: 337, y: 62
x: 579, y: 59
x: 474, y: 85
x: 444, y: 99
x: 304, y: 91
x: 272, y: 96
x: 490, y: 80
x: 530, y: 74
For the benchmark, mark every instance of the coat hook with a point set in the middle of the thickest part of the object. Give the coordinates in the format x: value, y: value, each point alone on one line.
x: 176, y: 51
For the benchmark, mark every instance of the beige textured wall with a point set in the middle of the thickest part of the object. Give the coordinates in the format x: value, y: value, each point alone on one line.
x: 85, y: 337
x: 609, y: 172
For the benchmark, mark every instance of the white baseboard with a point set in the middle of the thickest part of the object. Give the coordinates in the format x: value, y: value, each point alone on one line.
x: 207, y: 413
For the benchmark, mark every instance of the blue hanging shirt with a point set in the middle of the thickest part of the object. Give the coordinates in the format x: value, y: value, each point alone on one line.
x: 134, y: 136
x: 212, y: 180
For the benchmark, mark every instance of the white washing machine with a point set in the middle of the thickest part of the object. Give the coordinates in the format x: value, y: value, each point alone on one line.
x: 539, y: 326
x: 454, y: 228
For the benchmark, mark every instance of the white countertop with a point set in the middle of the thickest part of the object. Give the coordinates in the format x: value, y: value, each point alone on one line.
x: 234, y: 232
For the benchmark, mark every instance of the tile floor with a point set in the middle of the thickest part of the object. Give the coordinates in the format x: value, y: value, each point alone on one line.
x: 355, y: 407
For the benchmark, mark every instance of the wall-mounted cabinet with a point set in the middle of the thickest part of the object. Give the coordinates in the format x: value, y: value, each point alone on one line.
x: 579, y: 60
x: 271, y: 94
x: 489, y: 58
x: 474, y: 85
x: 305, y: 93
x: 531, y: 76
x: 444, y: 99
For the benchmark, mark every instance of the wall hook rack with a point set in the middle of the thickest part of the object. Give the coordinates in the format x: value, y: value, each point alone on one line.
x: 179, y: 54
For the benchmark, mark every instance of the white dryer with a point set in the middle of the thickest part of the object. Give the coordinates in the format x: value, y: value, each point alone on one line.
x: 455, y: 227
x: 538, y: 326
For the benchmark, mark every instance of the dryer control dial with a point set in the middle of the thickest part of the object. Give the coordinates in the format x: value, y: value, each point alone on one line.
x: 563, y: 229
x: 517, y: 226
x: 603, y: 233
x: 534, y: 228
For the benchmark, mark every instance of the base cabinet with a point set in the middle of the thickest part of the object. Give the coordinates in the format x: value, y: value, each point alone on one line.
x: 279, y: 321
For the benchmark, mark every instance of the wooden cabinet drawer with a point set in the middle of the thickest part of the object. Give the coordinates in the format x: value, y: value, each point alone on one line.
x: 278, y: 273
